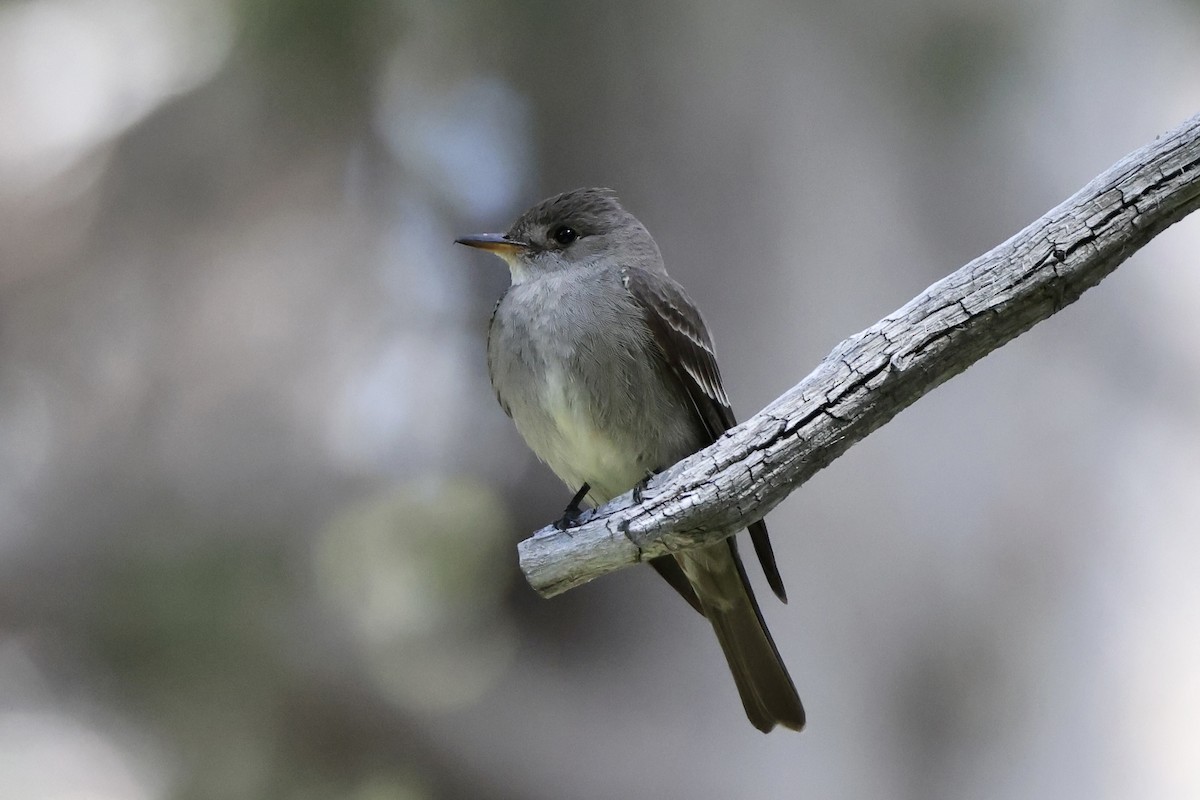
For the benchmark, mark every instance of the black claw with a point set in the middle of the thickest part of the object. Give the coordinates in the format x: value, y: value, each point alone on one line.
x: 573, y: 511
x: 568, y: 521
x: 640, y: 487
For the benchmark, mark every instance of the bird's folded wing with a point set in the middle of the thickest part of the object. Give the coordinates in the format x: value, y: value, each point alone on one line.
x: 681, y: 336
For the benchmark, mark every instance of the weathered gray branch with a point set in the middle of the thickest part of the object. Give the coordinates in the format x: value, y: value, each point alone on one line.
x: 875, y: 374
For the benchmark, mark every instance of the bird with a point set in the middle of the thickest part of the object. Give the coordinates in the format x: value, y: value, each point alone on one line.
x: 608, y: 371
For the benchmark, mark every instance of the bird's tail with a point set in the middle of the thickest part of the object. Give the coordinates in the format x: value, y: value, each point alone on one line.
x: 762, y: 680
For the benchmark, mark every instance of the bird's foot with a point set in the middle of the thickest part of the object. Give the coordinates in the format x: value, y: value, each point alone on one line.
x: 572, y: 513
x: 639, y: 488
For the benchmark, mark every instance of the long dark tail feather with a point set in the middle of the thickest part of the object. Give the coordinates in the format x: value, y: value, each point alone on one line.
x: 766, y: 557
x: 766, y: 689
x: 669, y: 568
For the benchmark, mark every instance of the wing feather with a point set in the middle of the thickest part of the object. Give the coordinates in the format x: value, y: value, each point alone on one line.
x: 680, y: 333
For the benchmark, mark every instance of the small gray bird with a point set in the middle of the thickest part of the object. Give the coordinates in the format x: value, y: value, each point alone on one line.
x: 607, y: 369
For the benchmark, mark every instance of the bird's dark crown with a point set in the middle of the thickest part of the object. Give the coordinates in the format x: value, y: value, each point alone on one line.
x: 589, y: 211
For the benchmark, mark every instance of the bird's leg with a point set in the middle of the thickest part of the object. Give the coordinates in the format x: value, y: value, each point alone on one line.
x: 571, y: 513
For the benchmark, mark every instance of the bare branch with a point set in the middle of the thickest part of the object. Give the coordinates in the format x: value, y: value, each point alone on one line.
x: 877, y: 373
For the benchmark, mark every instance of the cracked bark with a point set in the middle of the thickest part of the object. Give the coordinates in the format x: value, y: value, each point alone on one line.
x: 877, y: 373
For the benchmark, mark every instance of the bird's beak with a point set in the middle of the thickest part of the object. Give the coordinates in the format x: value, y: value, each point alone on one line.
x: 496, y: 243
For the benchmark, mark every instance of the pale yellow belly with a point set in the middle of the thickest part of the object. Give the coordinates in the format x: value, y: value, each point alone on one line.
x: 575, y: 449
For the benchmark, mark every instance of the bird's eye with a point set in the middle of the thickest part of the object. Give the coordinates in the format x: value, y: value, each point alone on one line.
x: 565, y: 234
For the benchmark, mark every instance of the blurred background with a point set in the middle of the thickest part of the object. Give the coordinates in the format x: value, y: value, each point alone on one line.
x: 258, y: 506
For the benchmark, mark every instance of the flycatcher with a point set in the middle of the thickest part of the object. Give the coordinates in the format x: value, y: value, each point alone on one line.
x: 608, y: 371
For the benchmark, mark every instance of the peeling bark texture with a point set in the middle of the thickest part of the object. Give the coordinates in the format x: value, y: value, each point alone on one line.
x: 875, y: 374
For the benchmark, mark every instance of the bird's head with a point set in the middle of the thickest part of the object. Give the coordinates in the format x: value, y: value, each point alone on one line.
x: 581, y: 228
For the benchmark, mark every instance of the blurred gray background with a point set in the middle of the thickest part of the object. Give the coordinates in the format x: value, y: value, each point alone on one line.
x: 258, y: 505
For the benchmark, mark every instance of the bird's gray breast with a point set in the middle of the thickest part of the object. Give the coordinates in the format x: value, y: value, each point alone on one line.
x: 572, y: 362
